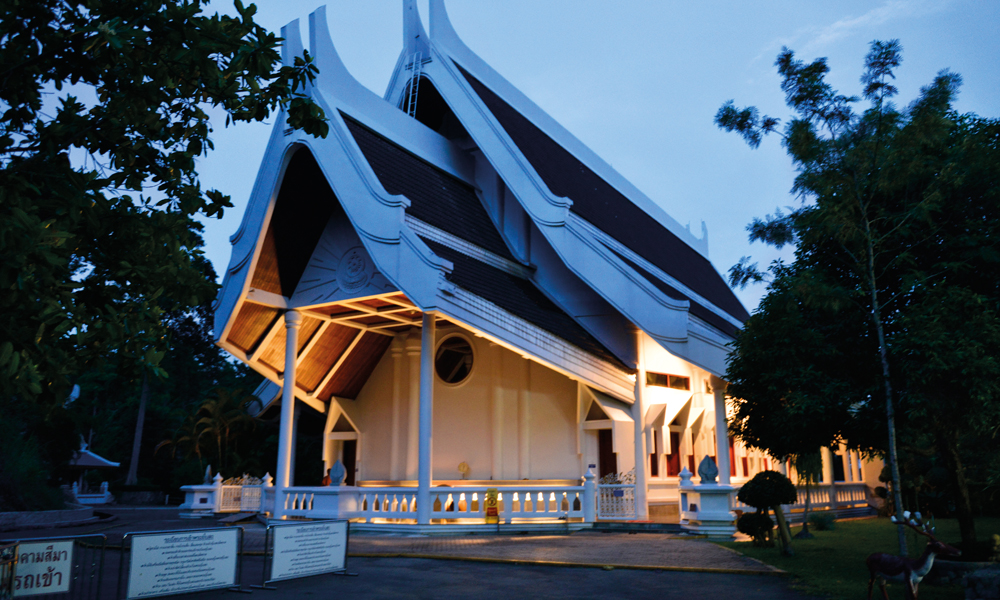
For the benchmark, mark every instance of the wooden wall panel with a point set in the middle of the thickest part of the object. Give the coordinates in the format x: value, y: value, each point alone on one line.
x: 265, y: 274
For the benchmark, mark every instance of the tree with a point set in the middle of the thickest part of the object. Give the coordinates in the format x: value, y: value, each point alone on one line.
x: 882, y: 195
x: 223, y: 418
x: 104, y: 115
x: 768, y: 490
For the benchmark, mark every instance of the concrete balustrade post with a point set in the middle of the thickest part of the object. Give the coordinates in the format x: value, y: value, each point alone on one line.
x: 589, y: 496
x: 217, y: 493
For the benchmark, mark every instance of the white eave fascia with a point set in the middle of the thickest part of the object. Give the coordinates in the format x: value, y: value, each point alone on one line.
x: 617, y: 246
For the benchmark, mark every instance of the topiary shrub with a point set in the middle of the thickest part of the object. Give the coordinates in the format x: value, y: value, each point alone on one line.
x: 758, y: 526
x: 767, y: 489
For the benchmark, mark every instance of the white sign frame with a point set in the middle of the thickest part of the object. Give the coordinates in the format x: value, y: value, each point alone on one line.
x: 299, y: 549
x: 156, y: 558
x: 50, y: 563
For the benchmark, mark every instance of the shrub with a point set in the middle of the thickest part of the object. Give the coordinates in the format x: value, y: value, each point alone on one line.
x: 758, y: 526
x: 823, y: 521
x: 767, y: 489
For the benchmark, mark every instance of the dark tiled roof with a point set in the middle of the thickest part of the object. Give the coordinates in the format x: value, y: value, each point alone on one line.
x: 696, y: 309
x: 606, y: 208
x: 522, y: 298
x: 436, y: 197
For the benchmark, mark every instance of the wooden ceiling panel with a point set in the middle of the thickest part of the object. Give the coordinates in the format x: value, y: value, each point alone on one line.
x: 265, y: 275
x: 327, y: 351
x: 355, y: 371
x: 331, y: 309
x: 252, y: 322
x: 306, y: 331
x: 274, y: 355
x: 376, y: 303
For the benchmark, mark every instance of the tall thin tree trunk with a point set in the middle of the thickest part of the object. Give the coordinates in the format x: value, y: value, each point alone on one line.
x: 883, y: 351
x: 133, y: 467
x: 948, y: 446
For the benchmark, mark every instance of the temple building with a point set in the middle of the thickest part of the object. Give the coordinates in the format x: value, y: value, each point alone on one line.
x: 474, y: 300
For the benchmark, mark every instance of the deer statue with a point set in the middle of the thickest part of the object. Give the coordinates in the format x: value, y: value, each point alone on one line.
x: 908, y: 570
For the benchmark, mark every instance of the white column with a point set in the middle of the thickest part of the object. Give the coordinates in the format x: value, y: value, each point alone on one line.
x: 827, y: 458
x: 412, y: 346
x: 524, y: 425
x: 295, y: 436
x: 424, y: 472
x: 639, y: 417
x: 397, y: 400
x: 496, y: 401
x: 721, y: 430
x: 286, y: 433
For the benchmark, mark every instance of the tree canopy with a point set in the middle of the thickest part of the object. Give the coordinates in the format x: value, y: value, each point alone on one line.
x: 104, y: 115
x: 889, y: 306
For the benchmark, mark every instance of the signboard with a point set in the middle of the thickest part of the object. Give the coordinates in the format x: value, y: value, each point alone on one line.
x: 492, y: 506
x: 304, y: 549
x: 183, y: 561
x: 42, y: 568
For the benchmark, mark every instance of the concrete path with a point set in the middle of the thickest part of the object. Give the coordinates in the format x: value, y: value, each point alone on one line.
x: 615, y: 565
x: 642, y: 550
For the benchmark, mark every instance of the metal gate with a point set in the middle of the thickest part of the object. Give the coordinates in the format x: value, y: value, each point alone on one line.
x: 61, y: 567
x: 616, y: 501
x: 250, y: 499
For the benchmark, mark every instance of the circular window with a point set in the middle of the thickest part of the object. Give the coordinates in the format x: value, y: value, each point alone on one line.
x: 453, y: 361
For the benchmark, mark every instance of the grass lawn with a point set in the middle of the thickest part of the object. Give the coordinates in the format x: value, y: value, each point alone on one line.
x: 833, y: 563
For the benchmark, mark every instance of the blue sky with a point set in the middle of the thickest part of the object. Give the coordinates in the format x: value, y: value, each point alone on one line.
x: 640, y: 81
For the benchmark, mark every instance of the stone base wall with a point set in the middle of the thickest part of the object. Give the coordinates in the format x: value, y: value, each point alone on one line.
x: 983, y: 584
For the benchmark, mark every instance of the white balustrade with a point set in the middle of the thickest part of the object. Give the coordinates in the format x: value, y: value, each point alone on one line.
x: 399, y: 504
x: 822, y: 497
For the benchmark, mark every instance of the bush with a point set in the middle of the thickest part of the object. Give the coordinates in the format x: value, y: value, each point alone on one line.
x: 767, y: 489
x: 823, y: 521
x: 758, y: 526
x: 24, y: 473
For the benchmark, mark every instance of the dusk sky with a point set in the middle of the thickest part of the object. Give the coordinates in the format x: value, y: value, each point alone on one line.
x: 640, y: 81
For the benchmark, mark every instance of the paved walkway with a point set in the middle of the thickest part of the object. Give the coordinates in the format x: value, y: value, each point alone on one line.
x: 642, y: 565
x: 639, y: 550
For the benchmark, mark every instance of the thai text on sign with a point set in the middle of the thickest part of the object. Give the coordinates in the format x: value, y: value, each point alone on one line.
x: 181, y: 562
x: 308, y: 549
x: 42, y: 568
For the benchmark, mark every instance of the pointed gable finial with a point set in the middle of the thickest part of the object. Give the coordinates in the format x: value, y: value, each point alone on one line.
x: 440, y: 24
x: 292, y: 44
x: 414, y: 36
